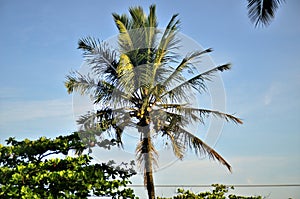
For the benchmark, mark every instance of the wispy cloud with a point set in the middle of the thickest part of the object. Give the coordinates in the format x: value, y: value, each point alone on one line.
x: 24, y: 110
x: 275, y: 89
x: 35, y: 118
x: 8, y: 93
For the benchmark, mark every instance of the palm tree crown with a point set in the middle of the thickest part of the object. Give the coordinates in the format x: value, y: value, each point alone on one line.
x: 142, y: 85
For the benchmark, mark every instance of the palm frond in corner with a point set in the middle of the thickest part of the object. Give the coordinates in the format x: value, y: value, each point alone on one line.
x: 261, y: 12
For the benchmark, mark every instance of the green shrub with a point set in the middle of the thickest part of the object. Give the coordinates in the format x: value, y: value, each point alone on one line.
x: 219, y: 192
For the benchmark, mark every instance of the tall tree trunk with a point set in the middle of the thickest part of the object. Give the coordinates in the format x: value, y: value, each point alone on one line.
x: 149, y: 172
x: 148, y: 164
x: 150, y: 185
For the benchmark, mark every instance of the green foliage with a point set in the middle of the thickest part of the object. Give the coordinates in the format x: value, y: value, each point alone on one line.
x: 219, y: 192
x: 32, y: 169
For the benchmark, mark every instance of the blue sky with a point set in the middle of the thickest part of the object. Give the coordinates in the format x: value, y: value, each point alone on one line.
x: 38, y: 49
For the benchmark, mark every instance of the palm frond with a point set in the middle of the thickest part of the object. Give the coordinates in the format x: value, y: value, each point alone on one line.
x: 106, y: 120
x: 201, y: 147
x: 185, y: 63
x: 168, y: 40
x: 99, y: 56
x: 99, y: 90
x: 99, y: 121
x: 177, y: 145
x: 197, y: 82
x: 152, y: 19
x: 151, y: 32
x: 138, y: 17
x: 180, y: 111
x: 103, y: 92
x: 262, y: 11
x: 191, y: 112
x: 225, y: 116
x: 93, y: 47
x: 84, y: 84
x: 125, y: 40
x: 130, y: 78
x: 151, y: 24
x: 125, y: 66
x: 93, y: 131
x: 185, y: 138
x: 174, y: 120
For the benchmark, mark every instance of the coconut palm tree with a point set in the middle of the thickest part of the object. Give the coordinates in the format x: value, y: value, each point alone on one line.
x: 143, y: 85
x: 261, y: 12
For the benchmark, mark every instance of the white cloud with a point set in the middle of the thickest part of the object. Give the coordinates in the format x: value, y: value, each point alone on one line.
x: 24, y: 110
x: 35, y: 118
x: 8, y: 92
x: 274, y: 90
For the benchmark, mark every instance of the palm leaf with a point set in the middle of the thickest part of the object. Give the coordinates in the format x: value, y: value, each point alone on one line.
x: 185, y: 138
x: 125, y: 41
x: 225, y: 116
x: 138, y: 17
x: 197, y: 82
x: 110, y: 121
x: 201, y: 147
x: 100, y: 56
x: 185, y: 63
x: 168, y: 40
x: 99, y: 90
x: 151, y: 24
x: 262, y: 11
x: 84, y: 84
x: 178, y: 111
x: 190, y: 111
x: 177, y: 145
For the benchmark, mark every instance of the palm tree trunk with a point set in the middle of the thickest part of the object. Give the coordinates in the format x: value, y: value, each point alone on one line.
x: 149, y: 174
x: 148, y: 161
x: 150, y: 185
